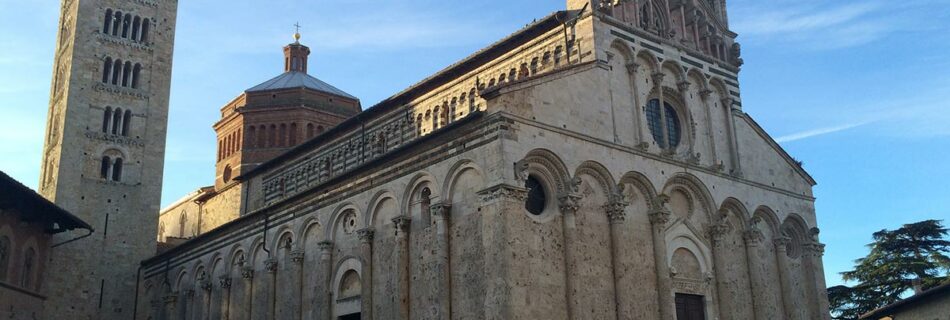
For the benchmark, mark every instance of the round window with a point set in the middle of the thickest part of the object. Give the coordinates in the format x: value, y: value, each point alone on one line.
x: 537, y: 199
x: 665, y: 125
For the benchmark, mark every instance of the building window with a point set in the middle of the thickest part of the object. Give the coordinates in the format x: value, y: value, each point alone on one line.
x: 106, y: 118
x: 117, y: 170
x: 106, y: 70
x: 126, y: 122
x: 29, y: 262
x: 143, y: 37
x: 665, y: 126
x: 690, y: 307
x: 537, y: 198
x: 104, y: 167
x: 4, y: 257
x: 108, y: 22
x: 226, y: 174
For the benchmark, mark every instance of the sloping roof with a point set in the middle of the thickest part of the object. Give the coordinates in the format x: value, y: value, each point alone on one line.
x: 296, y: 79
x: 889, y: 310
x: 34, y: 207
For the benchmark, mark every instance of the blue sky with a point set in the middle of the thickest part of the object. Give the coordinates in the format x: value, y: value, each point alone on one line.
x: 859, y: 90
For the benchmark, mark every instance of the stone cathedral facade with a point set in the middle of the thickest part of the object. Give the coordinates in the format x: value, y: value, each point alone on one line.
x: 104, y: 151
x: 596, y: 164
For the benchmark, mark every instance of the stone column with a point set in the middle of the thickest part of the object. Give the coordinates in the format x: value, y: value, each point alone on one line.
x: 189, y: 296
x: 659, y: 218
x: 247, y: 273
x: 658, y: 88
x: 569, y: 206
x: 717, y: 234
x: 155, y: 309
x: 812, y: 257
x: 169, y: 302
x: 501, y: 203
x: 440, y: 212
x: 704, y: 95
x: 757, y: 278
x: 225, y: 283
x: 683, y: 87
x: 733, y: 139
x: 642, y: 144
x: 616, y: 214
x: 401, y: 259
x: 324, y: 293
x: 785, y: 273
x: 296, y: 258
x: 366, y: 251
x: 270, y: 266
x: 206, y: 293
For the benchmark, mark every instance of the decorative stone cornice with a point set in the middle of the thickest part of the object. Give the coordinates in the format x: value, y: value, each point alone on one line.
x: 115, y: 139
x: 120, y: 90
x: 224, y: 282
x: 297, y: 256
x: 366, y: 235
x: 503, y: 192
x: 124, y: 42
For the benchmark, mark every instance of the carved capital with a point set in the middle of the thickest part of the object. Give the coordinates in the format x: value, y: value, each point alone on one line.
x: 657, y: 78
x: 170, y: 298
x: 205, y: 285
x: 366, y: 235
x: 704, y: 94
x: 683, y: 86
x: 659, y: 219
x: 402, y: 224
x: 781, y: 243
x: 247, y: 273
x: 753, y: 237
x: 297, y: 256
x: 521, y: 171
x: 633, y: 67
x: 717, y: 232
x: 568, y: 203
x: 224, y: 282
x: 270, y: 265
x: 616, y: 212
x: 325, y: 246
x: 440, y: 210
x: 190, y: 293
x: 727, y: 101
x: 815, y: 249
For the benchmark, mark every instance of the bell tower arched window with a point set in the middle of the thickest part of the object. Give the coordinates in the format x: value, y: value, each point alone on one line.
x: 104, y: 167
x: 117, y: 170
x: 29, y: 264
x: 106, y: 118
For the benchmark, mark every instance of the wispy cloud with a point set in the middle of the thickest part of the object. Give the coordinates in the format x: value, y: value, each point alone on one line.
x: 818, y: 132
x: 813, y: 25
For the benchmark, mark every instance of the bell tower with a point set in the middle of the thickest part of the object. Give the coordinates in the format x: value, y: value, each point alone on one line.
x: 104, y: 151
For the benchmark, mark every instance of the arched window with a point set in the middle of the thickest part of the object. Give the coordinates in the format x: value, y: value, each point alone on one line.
x: 452, y: 109
x: 445, y: 114
x: 145, y: 26
x: 126, y: 73
x: 293, y: 134
x: 108, y: 22
x: 523, y: 72
x: 537, y: 197
x: 665, y: 125
x: 419, y: 125
x: 182, y: 220
x: 226, y: 174
x: 4, y: 257
x: 310, y: 130
x: 534, y: 66
x: 126, y: 24
x: 435, y: 118
x: 251, y: 136
x: 320, y: 129
x: 262, y: 137
x: 116, y: 71
x: 512, y: 74
x: 272, y: 136
x: 557, y: 55
x: 29, y: 263
x: 104, y: 167
x: 136, y: 25
x: 117, y: 170
x: 471, y: 100
x: 136, y: 72
x: 106, y: 70
x: 106, y: 118
x: 116, y: 120
x: 116, y: 23
x: 126, y: 122
x: 220, y: 149
x: 282, y: 139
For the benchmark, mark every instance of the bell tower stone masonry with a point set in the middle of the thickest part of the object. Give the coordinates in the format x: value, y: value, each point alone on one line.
x: 104, y: 152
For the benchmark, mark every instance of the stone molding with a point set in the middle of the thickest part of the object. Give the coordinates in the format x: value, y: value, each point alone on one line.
x: 136, y: 93
x: 366, y: 235
x: 440, y: 210
x: 247, y: 273
x: 753, y: 237
x: 224, y: 282
x: 325, y: 246
x: 568, y: 203
x: 402, y: 224
x: 503, y: 192
x: 616, y: 211
x: 116, y: 139
x: 270, y: 265
x: 297, y: 256
x: 125, y: 42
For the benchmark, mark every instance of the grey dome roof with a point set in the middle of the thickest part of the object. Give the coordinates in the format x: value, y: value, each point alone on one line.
x: 295, y: 79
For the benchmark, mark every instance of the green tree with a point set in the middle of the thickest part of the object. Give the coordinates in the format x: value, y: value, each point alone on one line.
x: 900, y: 261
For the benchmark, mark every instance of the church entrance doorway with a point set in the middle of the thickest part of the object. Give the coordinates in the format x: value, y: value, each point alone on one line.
x: 690, y: 307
